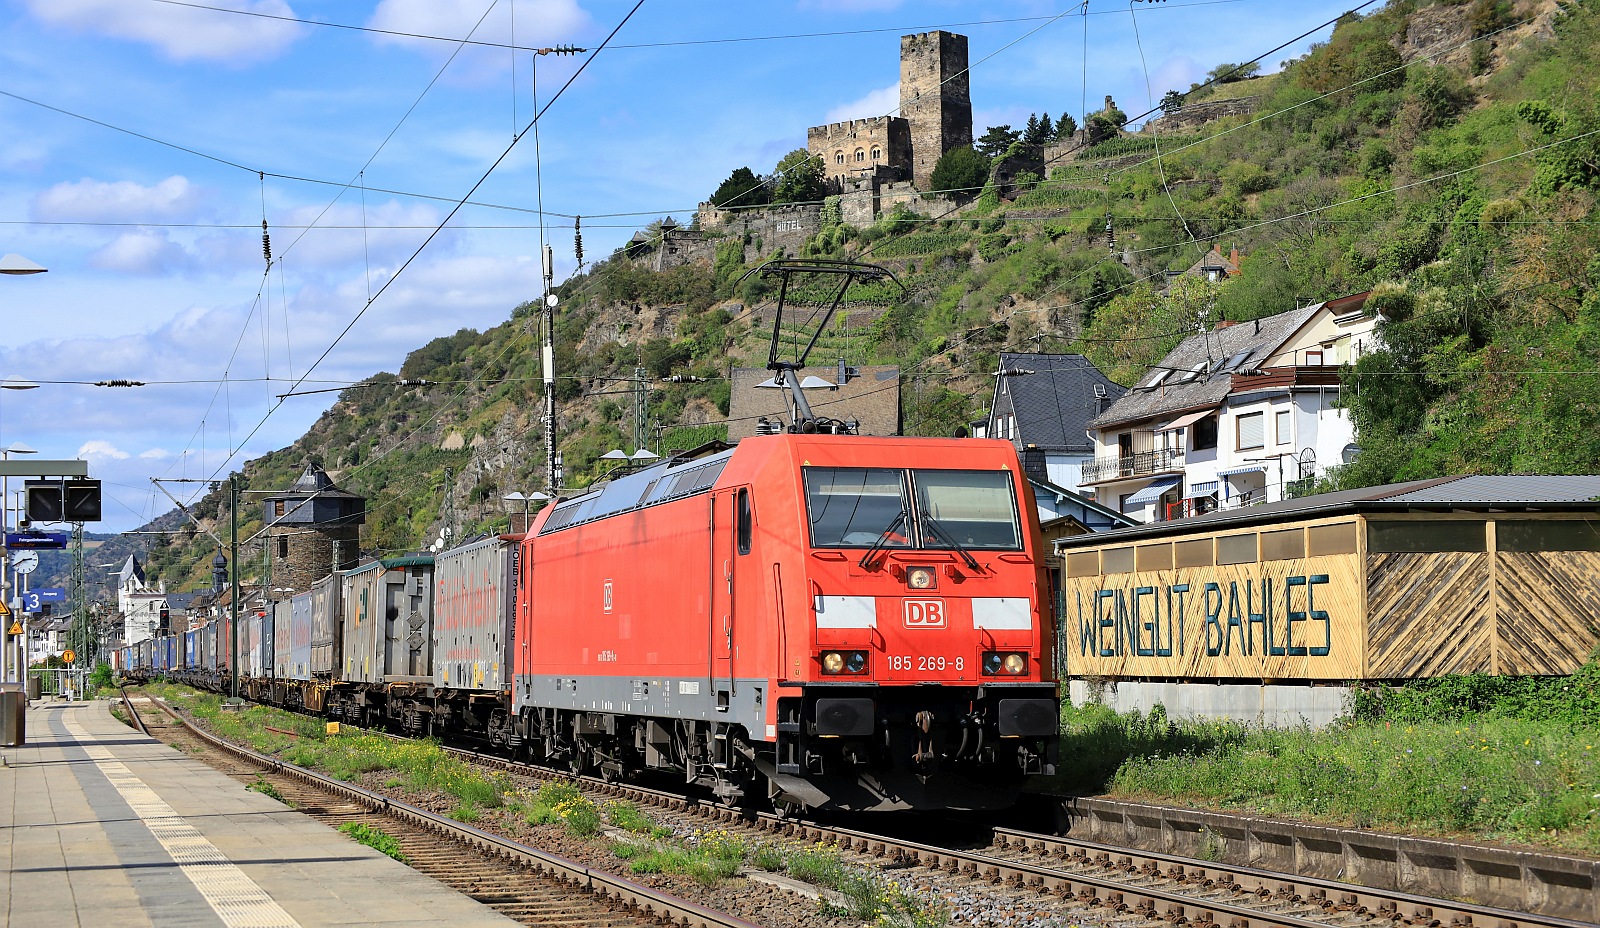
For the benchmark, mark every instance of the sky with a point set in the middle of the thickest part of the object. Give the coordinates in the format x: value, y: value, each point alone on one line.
x: 144, y: 142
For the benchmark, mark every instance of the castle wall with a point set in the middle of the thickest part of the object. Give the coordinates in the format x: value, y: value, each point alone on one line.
x: 861, y: 146
x: 1192, y: 116
x: 935, y: 98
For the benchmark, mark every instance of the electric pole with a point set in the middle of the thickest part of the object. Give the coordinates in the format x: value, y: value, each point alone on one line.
x: 233, y: 545
x: 641, y: 394
x: 552, y: 481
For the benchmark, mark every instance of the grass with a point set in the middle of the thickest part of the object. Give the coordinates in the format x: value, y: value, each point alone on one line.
x: 267, y: 789
x: 375, y: 838
x: 1513, y: 761
x: 420, y: 765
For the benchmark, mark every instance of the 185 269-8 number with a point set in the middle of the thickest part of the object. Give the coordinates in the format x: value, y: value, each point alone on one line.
x: 925, y: 662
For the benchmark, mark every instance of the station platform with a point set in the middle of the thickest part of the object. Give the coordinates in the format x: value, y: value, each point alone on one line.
x: 101, y: 826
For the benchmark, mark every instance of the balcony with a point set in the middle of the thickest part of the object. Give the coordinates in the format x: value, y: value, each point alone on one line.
x: 1138, y: 464
x: 1295, y: 376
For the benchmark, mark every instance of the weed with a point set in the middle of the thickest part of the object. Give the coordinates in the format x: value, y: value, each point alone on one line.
x: 375, y: 838
x: 769, y: 857
x: 267, y: 789
x: 626, y: 815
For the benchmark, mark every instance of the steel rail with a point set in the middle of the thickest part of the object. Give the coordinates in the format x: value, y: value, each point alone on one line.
x: 651, y: 903
x: 1333, y: 898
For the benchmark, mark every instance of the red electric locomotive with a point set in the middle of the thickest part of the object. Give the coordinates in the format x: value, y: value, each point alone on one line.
x: 845, y: 622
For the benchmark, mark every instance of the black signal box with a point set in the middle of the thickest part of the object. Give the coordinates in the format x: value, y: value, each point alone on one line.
x: 63, y: 500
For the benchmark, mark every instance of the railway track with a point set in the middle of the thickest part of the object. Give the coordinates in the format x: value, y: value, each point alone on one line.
x: 1023, y: 871
x: 520, y: 882
x: 1094, y: 876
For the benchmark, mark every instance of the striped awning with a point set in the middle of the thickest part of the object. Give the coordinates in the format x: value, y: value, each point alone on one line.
x: 1153, y: 492
x: 1246, y: 469
x: 1203, y: 488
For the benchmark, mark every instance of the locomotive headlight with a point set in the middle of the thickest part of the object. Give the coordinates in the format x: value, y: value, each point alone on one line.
x: 920, y: 578
x: 1004, y: 663
x: 848, y: 662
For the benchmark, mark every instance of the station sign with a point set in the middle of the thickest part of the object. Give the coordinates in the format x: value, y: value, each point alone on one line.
x: 33, y: 600
x: 24, y: 541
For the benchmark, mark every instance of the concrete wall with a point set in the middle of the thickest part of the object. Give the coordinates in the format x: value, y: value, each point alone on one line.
x: 1265, y: 704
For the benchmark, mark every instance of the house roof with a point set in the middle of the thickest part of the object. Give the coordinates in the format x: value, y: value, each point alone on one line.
x: 1088, y: 505
x: 1501, y: 492
x: 872, y: 398
x: 1056, y: 402
x: 1211, y: 353
x: 314, y: 481
x: 1215, y: 259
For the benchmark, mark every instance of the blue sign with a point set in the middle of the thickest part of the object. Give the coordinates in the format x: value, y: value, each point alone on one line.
x: 33, y: 599
x: 21, y: 541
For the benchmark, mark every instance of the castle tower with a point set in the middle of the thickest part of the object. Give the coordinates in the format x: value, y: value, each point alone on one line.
x: 935, y: 98
x: 314, y: 530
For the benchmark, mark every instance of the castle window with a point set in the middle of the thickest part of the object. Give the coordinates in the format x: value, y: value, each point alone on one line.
x: 861, y: 155
x: 877, y: 154
x: 283, y: 546
x: 838, y: 157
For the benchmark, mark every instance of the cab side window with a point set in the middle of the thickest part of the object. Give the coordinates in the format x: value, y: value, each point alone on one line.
x: 742, y: 520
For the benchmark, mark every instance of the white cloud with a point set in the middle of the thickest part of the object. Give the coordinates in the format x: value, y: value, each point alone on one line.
x: 101, y: 449
x: 155, y: 454
x: 181, y: 33
x: 148, y: 252
x: 118, y: 201
x: 880, y: 102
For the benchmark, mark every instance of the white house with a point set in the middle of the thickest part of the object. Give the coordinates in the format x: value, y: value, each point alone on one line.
x: 143, y: 608
x: 1244, y: 413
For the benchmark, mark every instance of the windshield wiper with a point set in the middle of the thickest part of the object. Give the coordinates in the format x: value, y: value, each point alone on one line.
x: 931, y: 527
x: 882, y: 542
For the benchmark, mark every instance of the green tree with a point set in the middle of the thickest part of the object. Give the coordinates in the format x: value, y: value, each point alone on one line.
x: 1171, y: 102
x: 799, y: 178
x: 1105, y: 124
x: 1228, y: 73
x: 960, y: 170
x: 742, y: 188
x: 1065, y: 126
x: 995, y: 141
x: 1037, y: 132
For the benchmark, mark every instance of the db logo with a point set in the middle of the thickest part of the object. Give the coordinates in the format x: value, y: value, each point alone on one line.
x: 925, y: 613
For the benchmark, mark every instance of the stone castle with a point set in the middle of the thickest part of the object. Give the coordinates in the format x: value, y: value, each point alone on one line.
x: 935, y: 116
x: 872, y: 165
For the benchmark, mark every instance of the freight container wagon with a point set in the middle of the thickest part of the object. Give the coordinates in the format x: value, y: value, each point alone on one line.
x: 324, y: 643
x: 191, y: 650
x: 387, y: 621
x: 282, y: 665
x: 301, y: 635
x: 474, y: 600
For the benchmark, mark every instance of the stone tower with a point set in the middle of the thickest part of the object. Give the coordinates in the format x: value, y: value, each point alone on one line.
x: 314, y: 530
x: 935, y: 98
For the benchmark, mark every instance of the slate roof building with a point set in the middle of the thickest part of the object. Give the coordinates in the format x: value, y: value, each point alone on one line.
x: 313, y: 529
x: 1043, y: 404
x: 1243, y: 414
x: 869, y: 395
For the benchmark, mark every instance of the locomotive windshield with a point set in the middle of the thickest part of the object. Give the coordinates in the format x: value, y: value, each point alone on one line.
x: 857, y: 507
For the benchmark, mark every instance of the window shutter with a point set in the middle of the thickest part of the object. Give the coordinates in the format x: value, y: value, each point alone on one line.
x: 1251, y: 430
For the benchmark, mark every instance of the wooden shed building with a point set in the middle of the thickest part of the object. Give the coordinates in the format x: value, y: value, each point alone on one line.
x: 1269, y: 613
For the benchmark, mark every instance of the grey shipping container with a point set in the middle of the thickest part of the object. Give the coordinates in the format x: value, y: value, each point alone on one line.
x: 301, y: 637
x: 282, y: 664
x: 388, y: 619
x: 474, y: 599
x: 323, y: 601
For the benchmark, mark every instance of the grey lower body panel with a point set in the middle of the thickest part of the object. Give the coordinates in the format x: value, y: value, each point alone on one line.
x: 739, y: 701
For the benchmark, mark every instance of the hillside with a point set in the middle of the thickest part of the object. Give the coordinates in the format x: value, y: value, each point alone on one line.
x: 1445, y: 156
